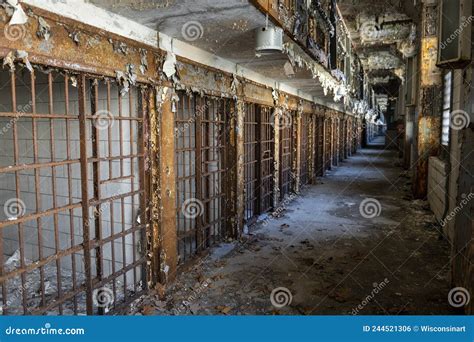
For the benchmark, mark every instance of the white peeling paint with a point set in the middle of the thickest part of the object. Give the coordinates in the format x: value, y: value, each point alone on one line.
x: 95, y: 16
x: 98, y: 17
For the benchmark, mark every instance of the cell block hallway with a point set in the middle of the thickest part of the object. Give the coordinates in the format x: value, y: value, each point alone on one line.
x: 236, y: 157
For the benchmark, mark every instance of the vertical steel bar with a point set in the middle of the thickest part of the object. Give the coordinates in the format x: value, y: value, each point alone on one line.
x: 53, y: 183
x: 85, y: 194
x: 96, y: 177
x: 21, y: 241
x: 70, y: 188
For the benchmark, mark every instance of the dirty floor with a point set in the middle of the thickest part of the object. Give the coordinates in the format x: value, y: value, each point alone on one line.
x: 355, y: 243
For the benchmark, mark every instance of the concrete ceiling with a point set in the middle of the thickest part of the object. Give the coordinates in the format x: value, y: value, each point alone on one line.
x: 226, y: 28
x: 383, y: 34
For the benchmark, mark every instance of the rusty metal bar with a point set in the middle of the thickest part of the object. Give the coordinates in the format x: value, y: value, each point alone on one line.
x: 250, y: 163
x: 85, y: 195
x: 266, y: 159
x: 286, y: 161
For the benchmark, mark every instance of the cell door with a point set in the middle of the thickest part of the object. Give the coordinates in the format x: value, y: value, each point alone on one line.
x: 72, y: 186
x: 286, y: 157
x: 251, y: 164
x: 201, y: 159
x: 266, y: 157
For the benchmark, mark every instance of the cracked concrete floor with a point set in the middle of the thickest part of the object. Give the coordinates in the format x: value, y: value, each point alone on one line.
x: 326, y: 254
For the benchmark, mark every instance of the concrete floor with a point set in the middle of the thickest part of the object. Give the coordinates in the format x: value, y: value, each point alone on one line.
x: 329, y: 257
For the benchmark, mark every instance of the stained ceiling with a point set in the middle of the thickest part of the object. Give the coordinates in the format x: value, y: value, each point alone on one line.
x: 383, y: 33
x: 226, y: 28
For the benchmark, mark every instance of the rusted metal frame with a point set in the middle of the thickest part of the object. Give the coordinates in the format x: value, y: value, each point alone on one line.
x: 2, y: 283
x: 53, y: 183
x: 266, y: 160
x: 198, y: 104
x: 40, y: 263
x: 154, y: 181
x: 37, y: 115
x: 180, y: 154
x: 206, y: 184
x: 228, y: 178
x: 132, y: 172
x: 35, y: 216
x: 258, y: 156
x: 215, y: 148
x: 109, y: 132
x: 114, y: 158
x: 15, y: 168
x: 250, y: 162
x: 322, y: 147
x: 70, y: 294
x: 297, y: 149
x: 98, y: 59
x: 116, y: 179
x: 21, y: 241
x: 37, y: 182
x: 285, y: 159
x: 305, y: 149
x: 85, y: 195
x: 96, y: 177
x: 328, y: 142
x: 142, y: 176
x: 313, y: 139
x: 118, y: 118
x: 69, y: 178
x: 340, y: 141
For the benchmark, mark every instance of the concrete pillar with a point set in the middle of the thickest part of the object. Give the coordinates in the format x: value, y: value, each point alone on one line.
x: 239, y: 169
x: 277, y: 112
x: 297, y: 165
x: 428, y: 124
x: 164, y: 258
